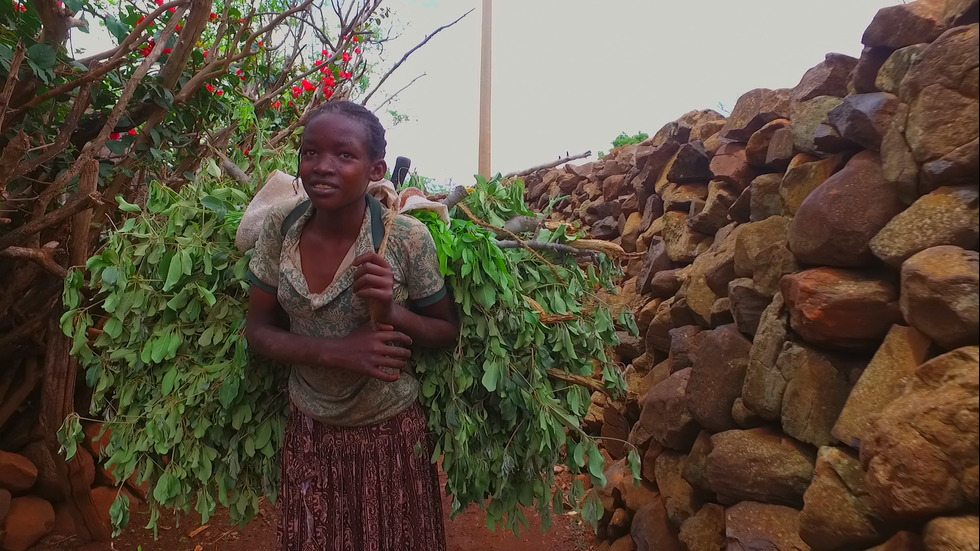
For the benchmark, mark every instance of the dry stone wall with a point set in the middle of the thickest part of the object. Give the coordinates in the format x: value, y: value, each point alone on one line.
x: 806, y: 287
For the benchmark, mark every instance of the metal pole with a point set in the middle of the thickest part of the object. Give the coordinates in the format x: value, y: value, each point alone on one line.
x: 485, y: 62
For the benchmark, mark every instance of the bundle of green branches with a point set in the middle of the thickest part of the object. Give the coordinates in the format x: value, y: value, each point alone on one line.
x: 186, y: 408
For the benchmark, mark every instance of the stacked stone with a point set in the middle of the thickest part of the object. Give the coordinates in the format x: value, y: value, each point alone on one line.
x: 807, y: 296
x: 32, y: 501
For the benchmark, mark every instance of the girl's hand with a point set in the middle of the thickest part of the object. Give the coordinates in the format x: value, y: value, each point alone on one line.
x: 375, y: 282
x: 367, y: 351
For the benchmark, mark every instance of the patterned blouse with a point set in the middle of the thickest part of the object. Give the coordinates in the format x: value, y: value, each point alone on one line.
x: 331, y: 395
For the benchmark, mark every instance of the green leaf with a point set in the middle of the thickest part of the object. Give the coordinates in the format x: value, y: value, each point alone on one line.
x: 42, y: 56
x: 174, y: 273
x: 168, y: 381
x: 126, y: 206
x: 117, y: 28
x: 229, y: 391
x: 119, y: 513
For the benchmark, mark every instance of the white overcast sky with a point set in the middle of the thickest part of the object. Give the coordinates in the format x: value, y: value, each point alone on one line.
x: 570, y: 75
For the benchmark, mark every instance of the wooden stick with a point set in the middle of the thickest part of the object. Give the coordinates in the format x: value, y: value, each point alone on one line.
x: 534, y: 169
x: 8, y: 89
x: 52, y: 218
x: 542, y: 246
x: 579, y: 380
x: 43, y: 257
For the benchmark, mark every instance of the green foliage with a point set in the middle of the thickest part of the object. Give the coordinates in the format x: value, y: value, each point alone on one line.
x: 625, y: 139
x: 500, y: 422
x: 168, y: 369
x: 187, y: 408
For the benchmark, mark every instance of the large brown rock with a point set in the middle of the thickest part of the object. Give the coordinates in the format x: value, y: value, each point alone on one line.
x: 865, y: 73
x: 747, y: 304
x: 762, y: 391
x: 941, y: 91
x: 898, y: 164
x: 677, y: 494
x: 665, y: 416
x: 828, y: 78
x: 29, y: 519
x: 655, y: 261
x: 708, y: 278
x: 952, y: 534
x: 817, y: 386
x: 691, y: 164
x: 17, y: 473
x: 758, y: 144
x: 803, y: 176
x: 772, y: 263
x: 730, y: 165
x: 696, y: 466
x: 717, y: 376
x: 759, y: 465
x: 764, y: 199
x: 940, y: 295
x: 884, y: 380
x: 685, y: 345
x: 754, y: 237
x: 715, y: 214
x: 760, y: 527
x: 840, y: 308
x: 705, y: 531
x: 806, y: 116
x: 782, y: 148
x: 961, y: 12
x: 947, y: 216
x: 894, y: 68
x: 651, y: 529
x: 657, y: 336
x: 901, y: 541
x: 864, y: 118
x: 683, y: 243
x: 905, y: 24
x: 680, y: 197
x: 836, y: 221
x: 921, y: 453
x: 753, y: 110
x: 837, y: 512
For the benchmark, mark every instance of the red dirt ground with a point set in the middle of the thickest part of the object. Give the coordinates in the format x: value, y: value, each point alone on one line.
x: 467, y: 533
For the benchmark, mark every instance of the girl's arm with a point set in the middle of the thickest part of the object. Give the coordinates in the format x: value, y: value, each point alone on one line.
x: 434, y: 326
x: 364, y: 351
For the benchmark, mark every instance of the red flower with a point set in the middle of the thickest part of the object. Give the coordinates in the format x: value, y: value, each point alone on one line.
x: 178, y: 27
x: 356, y: 39
x: 219, y: 93
x: 277, y: 105
x: 168, y: 51
x: 213, y: 16
x: 239, y: 72
x: 247, y: 151
x: 346, y: 57
x: 318, y: 62
x: 205, y: 54
x: 357, y: 51
x: 146, y: 51
x: 325, y: 53
x: 308, y: 86
x: 346, y: 76
x: 141, y: 20
x: 115, y: 136
x: 261, y: 44
x: 329, y: 81
x: 172, y: 10
x: 328, y: 94
x: 132, y: 132
x: 210, y: 87
x: 159, y: 2
x: 297, y: 91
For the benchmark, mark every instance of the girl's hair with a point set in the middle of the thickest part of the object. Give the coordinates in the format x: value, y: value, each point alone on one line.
x: 376, y: 132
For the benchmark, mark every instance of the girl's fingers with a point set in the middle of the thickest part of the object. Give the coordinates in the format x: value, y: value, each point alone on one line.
x: 371, y: 258
x: 384, y: 376
x: 372, y: 282
x: 395, y: 336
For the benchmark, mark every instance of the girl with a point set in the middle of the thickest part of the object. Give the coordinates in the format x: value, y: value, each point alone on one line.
x: 352, y: 478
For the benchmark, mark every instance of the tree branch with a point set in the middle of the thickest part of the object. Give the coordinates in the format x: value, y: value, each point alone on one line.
x: 50, y: 219
x: 408, y: 53
x: 12, y: 78
x: 400, y: 90
x: 579, y: 380
x: 43, y: 257
x: 534, y: 169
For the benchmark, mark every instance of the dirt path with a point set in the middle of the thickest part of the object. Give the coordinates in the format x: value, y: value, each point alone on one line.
x: 467, y: 532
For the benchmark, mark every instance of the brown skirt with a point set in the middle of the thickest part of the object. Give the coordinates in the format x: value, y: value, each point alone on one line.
x: 367, y: 488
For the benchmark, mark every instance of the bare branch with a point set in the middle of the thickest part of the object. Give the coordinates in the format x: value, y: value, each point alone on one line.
x: 61, y: 142
x: 579, y: 380
x: 400, y: 90
x: 12, y: 78
x: 43, y: 257
x: 408, y: 53
x: 534, y: 169
x: 541, y: 246
x: 50, y: 219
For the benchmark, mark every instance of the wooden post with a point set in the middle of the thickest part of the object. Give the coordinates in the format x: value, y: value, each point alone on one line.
x: 485, y: 63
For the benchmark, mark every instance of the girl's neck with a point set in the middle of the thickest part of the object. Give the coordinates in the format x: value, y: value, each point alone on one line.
x: 343, y: 223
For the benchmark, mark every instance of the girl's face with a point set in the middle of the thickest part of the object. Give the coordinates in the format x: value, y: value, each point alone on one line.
x: 335, y: 161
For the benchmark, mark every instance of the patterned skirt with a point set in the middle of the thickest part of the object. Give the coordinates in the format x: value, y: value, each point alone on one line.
x: 360, y: 488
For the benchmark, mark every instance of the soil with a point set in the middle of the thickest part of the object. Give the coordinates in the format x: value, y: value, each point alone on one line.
x: 468, y: 532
